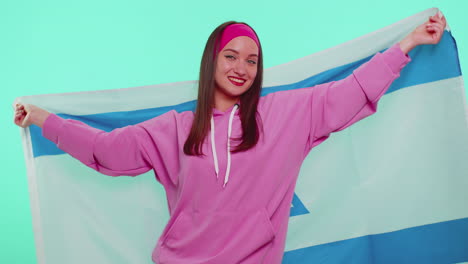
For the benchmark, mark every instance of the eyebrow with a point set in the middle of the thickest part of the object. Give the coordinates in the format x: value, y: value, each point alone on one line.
x: 235, y: 51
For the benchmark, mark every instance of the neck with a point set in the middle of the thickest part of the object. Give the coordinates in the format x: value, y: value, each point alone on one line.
x: 223, y: 103
x: 225, y: 106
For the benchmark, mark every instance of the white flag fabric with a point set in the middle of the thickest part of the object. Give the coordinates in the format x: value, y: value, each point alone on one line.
x: 393, y: 188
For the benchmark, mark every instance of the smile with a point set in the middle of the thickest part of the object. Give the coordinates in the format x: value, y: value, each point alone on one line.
x: 236, y: 81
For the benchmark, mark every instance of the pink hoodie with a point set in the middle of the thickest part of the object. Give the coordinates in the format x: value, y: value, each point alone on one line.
x: 246, y: 220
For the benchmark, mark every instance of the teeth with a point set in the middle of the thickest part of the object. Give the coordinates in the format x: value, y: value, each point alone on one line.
x: 236, y: 80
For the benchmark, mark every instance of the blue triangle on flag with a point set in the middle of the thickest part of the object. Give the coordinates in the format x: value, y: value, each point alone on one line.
x: 297, y: 207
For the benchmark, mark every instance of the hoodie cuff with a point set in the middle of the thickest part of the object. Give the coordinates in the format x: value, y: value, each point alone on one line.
x: 395, y: 58
x: 51, y: 127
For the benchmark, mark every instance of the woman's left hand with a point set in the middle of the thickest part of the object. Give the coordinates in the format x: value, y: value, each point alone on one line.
x: 428, y: 33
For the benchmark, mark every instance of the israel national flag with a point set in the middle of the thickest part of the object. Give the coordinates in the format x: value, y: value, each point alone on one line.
x: 392, y: 188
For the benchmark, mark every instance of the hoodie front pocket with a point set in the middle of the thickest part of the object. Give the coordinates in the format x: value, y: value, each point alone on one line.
x: 217, y: 237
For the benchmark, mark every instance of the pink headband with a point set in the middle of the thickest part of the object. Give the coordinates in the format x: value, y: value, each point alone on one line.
x: 234, y: 31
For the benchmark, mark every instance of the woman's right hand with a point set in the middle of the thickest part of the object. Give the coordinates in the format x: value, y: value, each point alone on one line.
x: 27, y: 114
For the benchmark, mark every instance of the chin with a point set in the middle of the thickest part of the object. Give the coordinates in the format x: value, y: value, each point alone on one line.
x: 233, y: 91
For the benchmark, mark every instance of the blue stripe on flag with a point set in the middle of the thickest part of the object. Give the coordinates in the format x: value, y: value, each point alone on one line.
x: 433, y: 63
x: 444, y: 242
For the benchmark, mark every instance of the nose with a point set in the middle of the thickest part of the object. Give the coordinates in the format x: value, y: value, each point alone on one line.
x: 239, y: 68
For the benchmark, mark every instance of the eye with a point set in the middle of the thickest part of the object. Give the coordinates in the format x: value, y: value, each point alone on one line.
x: 252, y: 62
x: 229, y: 57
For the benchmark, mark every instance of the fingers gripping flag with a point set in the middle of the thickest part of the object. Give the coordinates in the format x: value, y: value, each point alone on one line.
x: 390, y: 189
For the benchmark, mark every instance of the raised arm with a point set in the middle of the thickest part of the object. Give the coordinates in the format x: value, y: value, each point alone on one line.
x: 119, y: 152
x: 130, y: 150
x: 337, y: 105
x: 115, y: 153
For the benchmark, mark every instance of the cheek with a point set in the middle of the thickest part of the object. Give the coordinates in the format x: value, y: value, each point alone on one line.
x: 223, y: 67
x: 220, y: 72
x: 253, y: 73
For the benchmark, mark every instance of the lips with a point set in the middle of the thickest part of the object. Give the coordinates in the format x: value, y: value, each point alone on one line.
x: 236, y: 81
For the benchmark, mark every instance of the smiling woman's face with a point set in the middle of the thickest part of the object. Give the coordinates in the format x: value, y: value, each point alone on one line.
x: 236, y: 68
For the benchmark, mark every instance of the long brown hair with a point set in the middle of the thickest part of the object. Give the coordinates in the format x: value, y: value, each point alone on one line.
x: 205, y: 103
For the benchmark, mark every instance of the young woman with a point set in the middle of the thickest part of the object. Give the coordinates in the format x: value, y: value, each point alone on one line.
x: 230, y: 168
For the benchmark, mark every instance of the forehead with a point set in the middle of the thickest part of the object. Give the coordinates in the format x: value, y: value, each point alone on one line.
x: 242, y: 44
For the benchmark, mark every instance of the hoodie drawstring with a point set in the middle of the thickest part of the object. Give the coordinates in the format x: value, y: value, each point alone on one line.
x: 213, y: 146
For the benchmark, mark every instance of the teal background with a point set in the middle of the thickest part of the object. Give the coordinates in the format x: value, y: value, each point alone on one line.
x: 56, y: 46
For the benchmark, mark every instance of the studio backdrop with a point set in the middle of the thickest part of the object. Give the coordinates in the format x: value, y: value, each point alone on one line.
x: 392, y: 188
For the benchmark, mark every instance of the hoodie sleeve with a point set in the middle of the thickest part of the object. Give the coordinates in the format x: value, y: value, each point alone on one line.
x: 339, y: 104
x: 130, y: 150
